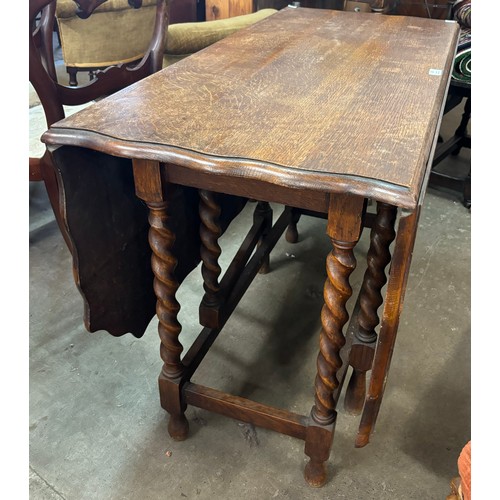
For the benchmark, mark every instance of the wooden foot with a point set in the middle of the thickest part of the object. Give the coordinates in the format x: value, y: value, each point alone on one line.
x: 315, y: 473
x: 292, y: 234
x: 319, y: 440
x: 178, y: 427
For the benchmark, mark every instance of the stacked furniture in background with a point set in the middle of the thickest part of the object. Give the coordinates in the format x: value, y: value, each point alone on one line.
x: 460, y: 90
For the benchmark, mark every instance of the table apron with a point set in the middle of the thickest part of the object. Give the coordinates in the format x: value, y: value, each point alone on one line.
x: 299, y: 197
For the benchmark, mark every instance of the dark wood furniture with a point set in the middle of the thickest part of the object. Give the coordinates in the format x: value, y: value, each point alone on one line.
x: 53, y: 95
x: 184, y: 11
x: 222, y: 9
x: 437, y: 9
x: 459, y: 94
x: 317, y: 110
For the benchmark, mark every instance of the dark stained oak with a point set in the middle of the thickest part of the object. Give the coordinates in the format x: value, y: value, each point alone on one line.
x: 340, y: 263
x: 314, y: 109
x: 306, y: 109
x: 370, y: 297
x: 263, y: 212
x: 210, y: 232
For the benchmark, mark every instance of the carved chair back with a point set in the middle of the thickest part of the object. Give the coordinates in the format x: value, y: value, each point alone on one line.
x: 53, y: 95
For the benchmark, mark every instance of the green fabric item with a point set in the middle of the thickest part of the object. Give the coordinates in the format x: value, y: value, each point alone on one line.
x: 88, y: 43
x: 462, y: 66
x: 188, y: 38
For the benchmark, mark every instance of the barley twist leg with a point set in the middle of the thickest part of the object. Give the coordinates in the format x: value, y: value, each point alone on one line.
x: 340, y: 264
x: 210, y: 232
x: 370, y: 299
x: 163, y: 263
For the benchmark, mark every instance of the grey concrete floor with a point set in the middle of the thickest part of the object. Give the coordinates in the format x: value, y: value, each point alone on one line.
x: 97, y: 430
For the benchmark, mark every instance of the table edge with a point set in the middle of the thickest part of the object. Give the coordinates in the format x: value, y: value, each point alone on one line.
x: 292, y: 178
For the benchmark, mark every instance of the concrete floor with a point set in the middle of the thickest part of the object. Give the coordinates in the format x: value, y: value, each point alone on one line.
x: 97, y: 430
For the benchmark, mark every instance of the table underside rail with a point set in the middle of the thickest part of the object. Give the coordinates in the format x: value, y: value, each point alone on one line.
x: 240, y: 273
x: 235, y: 282
x: 260, y: 241
x: 245, y: 410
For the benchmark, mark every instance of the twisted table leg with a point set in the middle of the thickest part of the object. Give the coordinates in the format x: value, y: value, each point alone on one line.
x: 152, y: 188
x: 210, y: 232
x: 370, y: 299
x: 393, y: 303
x: 340, y: 264
x: 163, y: 262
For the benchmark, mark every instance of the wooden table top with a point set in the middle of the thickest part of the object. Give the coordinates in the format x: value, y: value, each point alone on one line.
x: 307, y: 98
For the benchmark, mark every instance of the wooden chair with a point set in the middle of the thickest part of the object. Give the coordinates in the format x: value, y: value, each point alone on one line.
x: 140, y: 49
x: 182, y: 39
x: 53, y: 95
x: 99, y: 256
x: 86, y: 42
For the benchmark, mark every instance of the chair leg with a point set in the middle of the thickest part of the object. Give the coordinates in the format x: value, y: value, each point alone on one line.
x: 73, y: 82
x: 462, y: 128
x: 467, y: 191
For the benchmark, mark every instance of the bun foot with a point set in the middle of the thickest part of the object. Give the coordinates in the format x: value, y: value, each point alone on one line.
x: 315, y: 474
x: 292, y: 234
x: 178, y: 427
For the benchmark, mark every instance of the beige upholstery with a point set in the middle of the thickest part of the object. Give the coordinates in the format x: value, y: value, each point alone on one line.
x: 86, y: 42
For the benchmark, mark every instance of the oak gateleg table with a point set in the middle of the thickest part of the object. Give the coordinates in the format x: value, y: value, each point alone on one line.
x: 319, y: 111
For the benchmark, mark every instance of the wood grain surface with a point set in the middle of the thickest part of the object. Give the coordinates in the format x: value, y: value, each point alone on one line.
x: 222, y: 9
x: 328, y: 100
